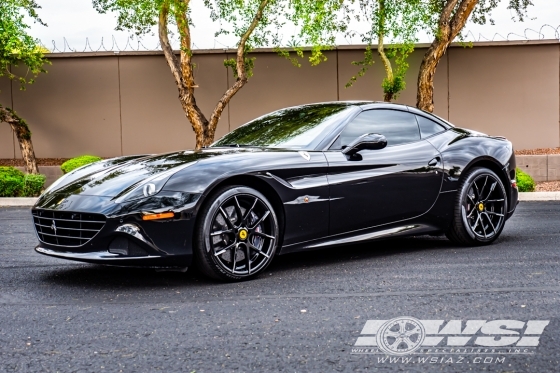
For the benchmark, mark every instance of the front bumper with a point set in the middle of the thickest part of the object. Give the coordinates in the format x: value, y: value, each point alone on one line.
x: 105, y: 257
x: 124, y: 239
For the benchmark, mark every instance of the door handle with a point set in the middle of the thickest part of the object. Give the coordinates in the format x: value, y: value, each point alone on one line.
x: 434, y: 162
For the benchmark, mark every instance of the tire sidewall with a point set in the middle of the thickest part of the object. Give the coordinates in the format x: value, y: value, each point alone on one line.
x: 205, y: 224
x: 465, y: 188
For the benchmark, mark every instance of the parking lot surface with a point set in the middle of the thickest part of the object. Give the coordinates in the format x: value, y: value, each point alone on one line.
x: 304, y: 314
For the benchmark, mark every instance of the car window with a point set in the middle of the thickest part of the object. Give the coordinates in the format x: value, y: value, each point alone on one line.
x: 428, y: 127
x: 398, y: 127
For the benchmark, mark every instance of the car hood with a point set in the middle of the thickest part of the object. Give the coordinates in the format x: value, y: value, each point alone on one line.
x: 114, y: 181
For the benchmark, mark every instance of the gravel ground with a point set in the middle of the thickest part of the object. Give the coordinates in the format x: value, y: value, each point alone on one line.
x: 40, y: 162
x: 539, y: 151
x: 548, y: 186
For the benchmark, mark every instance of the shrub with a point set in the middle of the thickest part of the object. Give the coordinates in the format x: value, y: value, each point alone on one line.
x: 14, y: 183
x: 12, y: 172
x: 525, y: 182
x: 9, y: 186
x: 80, y: 161
x: 33, y: 185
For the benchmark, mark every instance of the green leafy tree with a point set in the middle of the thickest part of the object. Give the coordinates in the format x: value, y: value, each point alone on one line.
x: 449, y: 19
x: 398, y: 21
x: 254, y: 23
x: 18, y: 48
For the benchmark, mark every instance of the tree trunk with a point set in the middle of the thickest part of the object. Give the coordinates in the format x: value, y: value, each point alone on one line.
x: 388, y: 96
x: 182, y: 70
x: 241, y: 75
x: 23, y: 135
x: 425, y: 94
x: 449, y: 28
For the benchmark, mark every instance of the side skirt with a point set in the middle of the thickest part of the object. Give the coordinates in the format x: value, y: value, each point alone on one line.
x: 404, y: 229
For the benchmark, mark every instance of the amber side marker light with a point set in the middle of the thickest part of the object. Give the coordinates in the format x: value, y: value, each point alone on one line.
x: 164, y: 215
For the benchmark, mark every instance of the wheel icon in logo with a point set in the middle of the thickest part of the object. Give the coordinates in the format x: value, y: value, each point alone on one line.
x: 401, y: 336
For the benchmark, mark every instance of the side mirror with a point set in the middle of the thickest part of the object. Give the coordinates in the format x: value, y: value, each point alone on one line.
x: 369, y: 141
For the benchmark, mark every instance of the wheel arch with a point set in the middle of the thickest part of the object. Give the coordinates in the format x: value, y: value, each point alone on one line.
x: 491, y: 164
x: 259, y: 185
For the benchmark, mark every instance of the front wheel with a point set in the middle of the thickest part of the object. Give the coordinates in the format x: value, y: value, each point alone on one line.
x: 237, y: 234
x: 480, y: 209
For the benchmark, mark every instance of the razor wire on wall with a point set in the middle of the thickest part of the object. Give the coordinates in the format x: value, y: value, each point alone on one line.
x: 134, y: 44
x: 545, y: 32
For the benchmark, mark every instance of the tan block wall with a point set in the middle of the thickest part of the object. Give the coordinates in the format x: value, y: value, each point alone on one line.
x: 277, y: 84
x: 534, y: 165
x: 368, y: 87
x: 74, y: 109
x: 6, y: 136
x: 510, y: 91
x: 108, y: 104
x: 553, y: 167
x: 51, y: 172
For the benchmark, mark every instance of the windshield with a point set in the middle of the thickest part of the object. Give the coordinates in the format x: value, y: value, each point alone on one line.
x: 300, y: 127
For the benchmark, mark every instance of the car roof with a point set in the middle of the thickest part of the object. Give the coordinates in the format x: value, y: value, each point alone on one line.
x: 362, y: 104
x: 368, y: 105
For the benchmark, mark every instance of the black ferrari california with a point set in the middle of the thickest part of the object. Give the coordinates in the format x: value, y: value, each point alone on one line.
x: 301, y: 178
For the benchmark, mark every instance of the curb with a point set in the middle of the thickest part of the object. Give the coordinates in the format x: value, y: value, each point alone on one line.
x: 529, y: 196
x: 539, y: 196
x: 17, y: 201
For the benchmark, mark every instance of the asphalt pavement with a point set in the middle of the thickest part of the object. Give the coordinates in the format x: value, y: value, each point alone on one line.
x: 304, y: 314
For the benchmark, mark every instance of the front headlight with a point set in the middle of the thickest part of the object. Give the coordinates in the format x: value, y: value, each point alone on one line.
x: 150, y: 186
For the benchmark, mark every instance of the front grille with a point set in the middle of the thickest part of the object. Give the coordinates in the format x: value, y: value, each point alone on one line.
x: 66, y: 228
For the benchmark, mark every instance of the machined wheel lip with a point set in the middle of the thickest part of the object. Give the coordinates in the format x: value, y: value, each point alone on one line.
x: 484, y: 207
x: 241, y: 233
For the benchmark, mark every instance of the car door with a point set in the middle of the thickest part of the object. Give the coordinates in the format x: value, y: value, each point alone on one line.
x: 377, y: 187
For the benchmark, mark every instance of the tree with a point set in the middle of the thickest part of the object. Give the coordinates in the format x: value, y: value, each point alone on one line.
x: 396, y: 20
x: 254, y: 23
x: 17, y: 47
x: 450, y: 19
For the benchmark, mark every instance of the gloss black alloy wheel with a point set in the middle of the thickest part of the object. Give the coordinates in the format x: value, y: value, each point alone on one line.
x: 237, y: 234
x: 481, y: 208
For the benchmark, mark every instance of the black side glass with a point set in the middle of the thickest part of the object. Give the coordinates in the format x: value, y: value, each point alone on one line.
x: 398, y: 127
x: 428, y: 127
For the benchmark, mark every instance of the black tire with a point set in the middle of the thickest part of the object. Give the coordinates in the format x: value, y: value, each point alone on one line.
x: 480, y: 209
x: 236, y: 235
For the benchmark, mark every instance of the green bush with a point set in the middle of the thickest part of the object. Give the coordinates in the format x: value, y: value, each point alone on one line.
x: 14, y: 183
x: 10, y: 186
x: 80, y: 161
x: 33, y: 185
x: 12, y: 172
x: 525, y: 182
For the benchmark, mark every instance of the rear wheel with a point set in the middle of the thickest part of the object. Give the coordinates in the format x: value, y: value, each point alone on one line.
x: 480, y: 209
x: 237, y: 235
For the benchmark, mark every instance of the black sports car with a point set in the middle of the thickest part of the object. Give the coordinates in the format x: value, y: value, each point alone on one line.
x: 300, y: 178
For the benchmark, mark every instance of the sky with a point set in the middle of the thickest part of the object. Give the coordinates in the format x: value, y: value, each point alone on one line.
x: 75, y: 25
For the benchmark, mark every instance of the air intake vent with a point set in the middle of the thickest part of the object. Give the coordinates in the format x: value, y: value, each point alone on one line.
x: 65, y: 228
x: 122, y: 246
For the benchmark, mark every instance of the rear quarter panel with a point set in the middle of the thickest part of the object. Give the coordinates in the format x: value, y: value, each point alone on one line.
x: 461, y: 150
